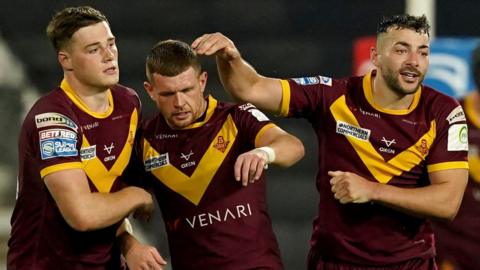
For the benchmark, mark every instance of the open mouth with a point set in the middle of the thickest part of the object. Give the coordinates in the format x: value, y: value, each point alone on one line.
x: 111, y: 70
x: 410, y: 76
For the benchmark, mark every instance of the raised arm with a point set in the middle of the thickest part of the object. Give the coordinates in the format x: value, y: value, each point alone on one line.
x: 276, y: 147
x: 84, y: 210
x: 238, y: 77
x: 441, y: 199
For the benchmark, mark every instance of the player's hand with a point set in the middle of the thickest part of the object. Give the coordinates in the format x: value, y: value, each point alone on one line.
x: 216, y: 44
x: 144, y: 257
x: 348, y: 187
x: 250, y: 165
x: 145, y: 210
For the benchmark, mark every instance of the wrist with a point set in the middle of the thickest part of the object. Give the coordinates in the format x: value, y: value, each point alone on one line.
x: 375, y: 191
x: 270, y: 153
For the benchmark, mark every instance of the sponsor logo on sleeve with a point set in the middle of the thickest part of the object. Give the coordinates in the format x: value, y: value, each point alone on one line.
x: 313, y: 80
x: 155, y: 162
x: 259, y: 115
x: 456, y: 115
x: 458, y: 137
x: 246, y: 106
x: 326, y: 80
x: 88, y: 153
x: 54, y: 119
x: 306, y: 80
x: 353, y: 131
x: 57, y: 143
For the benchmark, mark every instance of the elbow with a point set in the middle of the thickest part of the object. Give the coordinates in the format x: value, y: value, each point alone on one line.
x: 79, y: 222
x: 297, y: 152
x: 448, y: 212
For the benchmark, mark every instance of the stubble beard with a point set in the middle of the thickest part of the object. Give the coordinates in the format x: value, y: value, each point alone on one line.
x: 393, y: 82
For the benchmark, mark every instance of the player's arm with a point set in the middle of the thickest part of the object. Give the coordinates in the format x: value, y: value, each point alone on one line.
x: 238, y: 77
x: 441, y: 199
x: 84, y: 210
x: 275, y: 146
x: 137, y: 255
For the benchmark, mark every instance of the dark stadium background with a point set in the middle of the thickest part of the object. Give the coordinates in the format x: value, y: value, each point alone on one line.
x: 280, y: 38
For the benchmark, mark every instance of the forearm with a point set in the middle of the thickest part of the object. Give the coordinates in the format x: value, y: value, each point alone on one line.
x: 433, y: 201
x: 288, y: 150
x: 126, y: 241
x: 99, y: 210
x: 237, y: 76
x: 243, y: 82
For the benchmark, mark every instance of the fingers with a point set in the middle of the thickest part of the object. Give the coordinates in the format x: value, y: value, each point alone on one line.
x: 249, y: 167
x: 158, y: 258
x: 208, y: 44
x: 215, y: 44
x: 340, y: 186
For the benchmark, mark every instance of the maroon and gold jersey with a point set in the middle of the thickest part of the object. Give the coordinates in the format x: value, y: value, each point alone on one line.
x: 458, y: 243
x: 60, y: 133
x: 394, y: 147
x: 212, y: 221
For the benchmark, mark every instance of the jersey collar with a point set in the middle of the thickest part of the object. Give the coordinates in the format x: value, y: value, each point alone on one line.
x: 80, y: 104
x: 368, y: 92
x: 212, y: 104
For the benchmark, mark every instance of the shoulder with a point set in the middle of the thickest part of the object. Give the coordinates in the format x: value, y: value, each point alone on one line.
x: 445, y: 110
x: 438, y: 102
x: 53, y: 106
x: 125, y: 92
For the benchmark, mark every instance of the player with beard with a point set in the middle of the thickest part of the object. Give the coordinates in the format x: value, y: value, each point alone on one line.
x: 397, y: 149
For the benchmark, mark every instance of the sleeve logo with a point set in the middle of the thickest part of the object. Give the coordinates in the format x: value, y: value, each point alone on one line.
x: 458, y: 138
x: 259, y: 115
x: 54, y: 119
x: 313, y: 80
x: 456, y: 115
x: 57, y: 143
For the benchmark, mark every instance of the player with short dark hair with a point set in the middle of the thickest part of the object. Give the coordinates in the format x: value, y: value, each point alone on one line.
x: 458, y: 242
x: 193, y: 151
x: 74, y: 145
x: 392, y: 152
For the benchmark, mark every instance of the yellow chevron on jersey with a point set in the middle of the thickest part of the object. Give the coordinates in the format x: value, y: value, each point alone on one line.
x: 100, y: 176
x: 193, y: 187
x: 382, y: 170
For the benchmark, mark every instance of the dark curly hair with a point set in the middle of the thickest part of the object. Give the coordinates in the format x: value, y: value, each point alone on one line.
x: 404, y: 21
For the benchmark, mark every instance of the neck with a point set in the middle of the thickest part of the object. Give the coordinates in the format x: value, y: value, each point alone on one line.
x: 96, y: 99
x: 204, y: 106
x: 387, y: 98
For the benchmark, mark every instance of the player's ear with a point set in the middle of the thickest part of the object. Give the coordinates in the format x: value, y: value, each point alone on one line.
x: 374, y: 56
x: 203, y: 80
x: 65, y: 60
x: 148, y: 88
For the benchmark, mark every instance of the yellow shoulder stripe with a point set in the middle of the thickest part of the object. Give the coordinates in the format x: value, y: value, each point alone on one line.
x: 60, y: 167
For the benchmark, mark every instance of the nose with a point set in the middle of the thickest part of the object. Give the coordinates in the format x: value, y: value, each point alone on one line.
x: 108, y: 53
x: 178, y: 100
x: 412, y: 59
